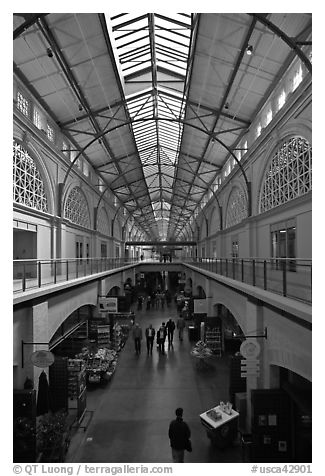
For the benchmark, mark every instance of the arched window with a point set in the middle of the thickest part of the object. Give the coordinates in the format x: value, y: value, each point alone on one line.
x: 103, y: 223
x: 76, y: 209
x: 288, y: 175
x: 237, y: 207
x: 29, y: 187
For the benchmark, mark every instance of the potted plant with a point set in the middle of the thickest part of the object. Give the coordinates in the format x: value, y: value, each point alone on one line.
x: 51, y: 432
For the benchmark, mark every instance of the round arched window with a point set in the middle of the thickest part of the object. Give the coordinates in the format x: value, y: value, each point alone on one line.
x: 28, y: 184
x: 237, y: 207
x: 288, y: 174
x: 76, y: 209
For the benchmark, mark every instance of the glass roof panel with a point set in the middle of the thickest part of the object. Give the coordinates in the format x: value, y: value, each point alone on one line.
x: 155, y: 46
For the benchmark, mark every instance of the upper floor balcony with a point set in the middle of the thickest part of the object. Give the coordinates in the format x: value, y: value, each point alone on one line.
x: 288, y: 277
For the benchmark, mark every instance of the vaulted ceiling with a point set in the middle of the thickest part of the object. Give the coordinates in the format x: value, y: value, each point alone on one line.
x: 157, y: 104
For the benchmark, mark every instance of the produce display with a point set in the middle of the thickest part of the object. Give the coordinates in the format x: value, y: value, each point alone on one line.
x: 100, y: 366
x: 201, y: 350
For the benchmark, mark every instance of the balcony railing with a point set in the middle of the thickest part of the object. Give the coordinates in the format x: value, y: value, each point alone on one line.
x: 289, y: 277
x: 31, y: 274
x: 286, y: 276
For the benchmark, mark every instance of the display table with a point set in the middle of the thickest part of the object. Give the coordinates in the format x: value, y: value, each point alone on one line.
x: 223, y: 431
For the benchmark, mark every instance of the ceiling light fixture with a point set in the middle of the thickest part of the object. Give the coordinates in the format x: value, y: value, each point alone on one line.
x: 249, y: 50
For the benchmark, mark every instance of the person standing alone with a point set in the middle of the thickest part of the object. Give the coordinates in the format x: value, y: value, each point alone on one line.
x: 137, y: 337
x: 170, y: 331
x: 179, y: 434
x: 161, y: 337
x: 150, y: 334
x: 180, y: 326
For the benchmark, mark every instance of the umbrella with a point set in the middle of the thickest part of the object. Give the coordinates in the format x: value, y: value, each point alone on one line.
x: 43, y: 395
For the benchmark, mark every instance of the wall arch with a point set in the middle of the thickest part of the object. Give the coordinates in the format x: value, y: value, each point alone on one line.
x: 282, y: 181
x: 114, y: 291
x: 61, y: 307
x: 81, y: 213
x: 215, y: 222
x: 237, y: 206
x: 103, y: 224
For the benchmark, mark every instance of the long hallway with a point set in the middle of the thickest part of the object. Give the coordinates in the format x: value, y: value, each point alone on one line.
x: 132, y: 413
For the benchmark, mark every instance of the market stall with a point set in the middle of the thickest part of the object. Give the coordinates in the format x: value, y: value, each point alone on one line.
x: 221, y: 423
x: 100, y: 366
x: 201, y: 352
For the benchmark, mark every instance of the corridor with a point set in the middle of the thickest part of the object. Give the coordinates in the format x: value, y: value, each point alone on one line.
x: 132, y: 413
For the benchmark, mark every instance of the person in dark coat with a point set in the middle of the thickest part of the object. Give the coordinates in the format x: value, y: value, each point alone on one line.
x: 170, y: 331
x: 181, y: 326
x: 137, y: 337
x: 161, y: 337
x: 150, y: 335
x: 179, y: 433
x: 148, y: 302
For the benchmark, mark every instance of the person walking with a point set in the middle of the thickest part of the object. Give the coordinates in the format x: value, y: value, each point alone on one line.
x: 161, y: 337
x: 148, y: 302
x: 179, y: 434
x: 137, y: 337
x: 170, y: 331
x: 162, y: 300
x: 150, y: 335
x: 180, y: 326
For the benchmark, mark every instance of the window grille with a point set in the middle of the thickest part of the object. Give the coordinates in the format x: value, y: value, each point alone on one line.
x: 281, y: 100
x: 86, y: 169
x: 297, y: 78
x: 288, y: 175
x: 50, y: 133
x: 237, y: 207
x: 22, y: 104
x: 268, y: 117
x: 27, y: 181
x: 76, y: 209
x: 37, y: 119
x: 65, y: 149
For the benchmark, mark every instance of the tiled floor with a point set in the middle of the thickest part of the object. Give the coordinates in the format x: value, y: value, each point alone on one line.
x: 132, y: 414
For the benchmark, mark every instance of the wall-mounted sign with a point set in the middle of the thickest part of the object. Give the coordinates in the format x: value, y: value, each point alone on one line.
x: 250, y: 349
x: 250, y: 368
x: 200, y: 306
x: 107, y: 304
x: 42, y: 358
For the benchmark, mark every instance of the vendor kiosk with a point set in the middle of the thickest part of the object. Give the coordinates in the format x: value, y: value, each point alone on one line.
x: 221, y: 425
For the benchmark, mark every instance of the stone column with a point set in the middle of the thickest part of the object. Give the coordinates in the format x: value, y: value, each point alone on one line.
x: 254, y: 326
x: 39, y: 334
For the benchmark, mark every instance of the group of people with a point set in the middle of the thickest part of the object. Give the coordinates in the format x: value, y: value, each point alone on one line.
x: 155, y: 300
x: 165, y: 331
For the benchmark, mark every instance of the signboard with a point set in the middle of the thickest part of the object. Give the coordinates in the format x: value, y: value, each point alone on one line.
x: 42, y: 358
x: 250, y: 349
x: 107, y: 304
x: 200, y: 306
x: 250, y: 367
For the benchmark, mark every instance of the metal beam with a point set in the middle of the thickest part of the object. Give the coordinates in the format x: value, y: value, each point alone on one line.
x: 30, y: 20
x: 292, y: 43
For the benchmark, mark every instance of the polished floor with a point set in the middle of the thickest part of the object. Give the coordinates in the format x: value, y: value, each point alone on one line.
x: 131, y: 415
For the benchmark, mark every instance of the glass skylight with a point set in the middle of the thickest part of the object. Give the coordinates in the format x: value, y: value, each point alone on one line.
x: 153, y: 53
